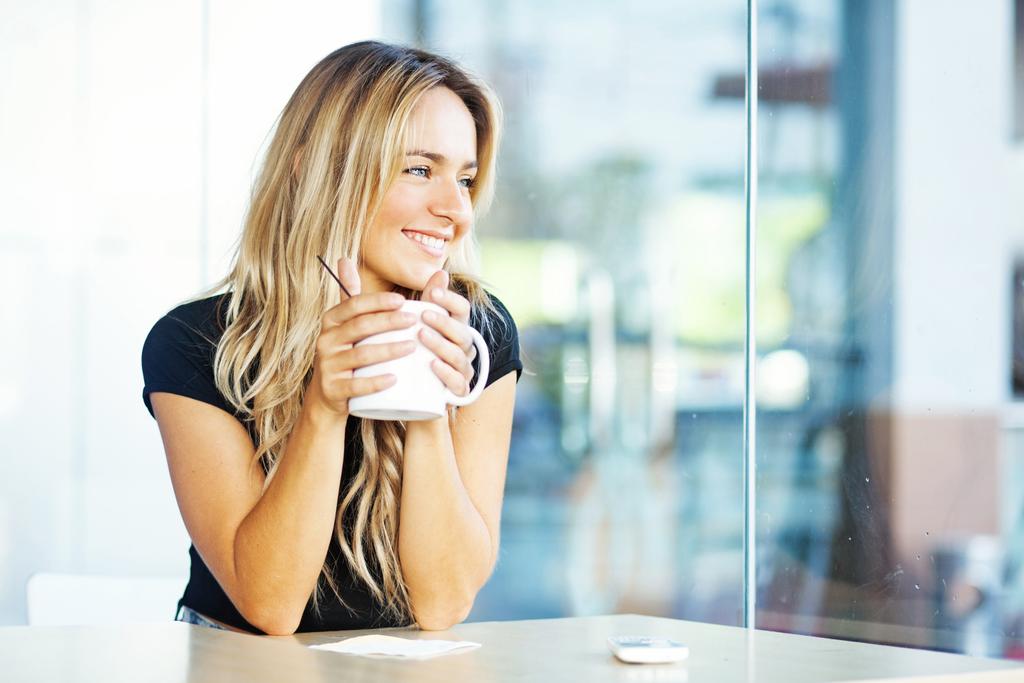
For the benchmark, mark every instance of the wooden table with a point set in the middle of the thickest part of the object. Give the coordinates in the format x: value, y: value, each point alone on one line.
x: 543, y: 650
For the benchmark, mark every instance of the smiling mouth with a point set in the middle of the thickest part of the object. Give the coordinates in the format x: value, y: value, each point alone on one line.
x: 433, y: 245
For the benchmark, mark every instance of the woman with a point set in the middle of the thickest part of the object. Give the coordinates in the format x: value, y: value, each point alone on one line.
x: 301, y: 516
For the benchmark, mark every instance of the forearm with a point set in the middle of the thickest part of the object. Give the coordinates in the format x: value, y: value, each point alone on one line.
x: 281, y: 544
x: 444, y: 545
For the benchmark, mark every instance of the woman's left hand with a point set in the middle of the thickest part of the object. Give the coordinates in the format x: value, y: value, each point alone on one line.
x: 448, y: 336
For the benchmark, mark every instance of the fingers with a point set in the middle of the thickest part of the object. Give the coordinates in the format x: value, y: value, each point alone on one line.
x: 336, y: 363
x: 453, y: 365
x: 339, y: 391
x: 359, y: 328
x: 361, y: 386
x: 362, y: 304
x: 349, y: 275
x: 438, y: 280
x: 453, y: 326
x: 448, y: 336
x: 456, y: 382
x: 344, y: 357
x: 344, y: 336
x: 456, y: 305
x: 451, y: 329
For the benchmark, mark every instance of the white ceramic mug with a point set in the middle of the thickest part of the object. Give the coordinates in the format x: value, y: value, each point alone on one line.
x: 418, y: 394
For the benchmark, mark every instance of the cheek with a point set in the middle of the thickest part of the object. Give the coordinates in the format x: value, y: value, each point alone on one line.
x: 398, y: 209
x: 454, y: 247
x: 389, y: 217
x: 462, y: 231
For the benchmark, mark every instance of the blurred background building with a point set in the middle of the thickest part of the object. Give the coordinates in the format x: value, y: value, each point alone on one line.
x: 890, y: 292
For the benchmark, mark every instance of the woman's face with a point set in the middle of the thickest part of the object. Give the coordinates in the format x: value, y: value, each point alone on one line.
x: 427, y: 210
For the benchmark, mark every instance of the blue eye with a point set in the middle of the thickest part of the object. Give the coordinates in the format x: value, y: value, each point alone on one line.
x: 467, y: 182
x: 419, y: 171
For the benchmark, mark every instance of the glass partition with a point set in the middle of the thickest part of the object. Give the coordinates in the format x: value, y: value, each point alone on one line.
x: 887, y: 502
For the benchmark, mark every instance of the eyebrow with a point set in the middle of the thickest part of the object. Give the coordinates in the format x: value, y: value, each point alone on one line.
x: 438, y: 158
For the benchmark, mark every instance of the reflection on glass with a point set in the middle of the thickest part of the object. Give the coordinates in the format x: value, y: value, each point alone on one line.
x: 888, y: 501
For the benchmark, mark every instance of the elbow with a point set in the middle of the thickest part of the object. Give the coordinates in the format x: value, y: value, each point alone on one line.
x: 272, y: 621
x: 441, y: 618
x: 275, y: 613
x: 278, y: 627
x: 275, y: 624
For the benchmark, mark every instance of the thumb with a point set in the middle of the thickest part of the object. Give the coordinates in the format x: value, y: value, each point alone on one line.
x: 349, y: 275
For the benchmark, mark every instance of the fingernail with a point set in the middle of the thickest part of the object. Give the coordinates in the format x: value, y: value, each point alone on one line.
x: 436, y: 293
x: 429, y: 315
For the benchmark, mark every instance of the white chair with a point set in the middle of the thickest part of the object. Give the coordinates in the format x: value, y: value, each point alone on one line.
x: 63, y: 599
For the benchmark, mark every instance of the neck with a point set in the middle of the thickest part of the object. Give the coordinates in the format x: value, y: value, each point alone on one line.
x: 370, y: 283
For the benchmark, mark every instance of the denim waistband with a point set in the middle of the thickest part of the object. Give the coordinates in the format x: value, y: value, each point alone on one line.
x: 190, y: 616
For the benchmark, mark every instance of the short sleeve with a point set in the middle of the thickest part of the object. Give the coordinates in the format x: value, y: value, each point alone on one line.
x: 502, y: 339
x: 177, y: 357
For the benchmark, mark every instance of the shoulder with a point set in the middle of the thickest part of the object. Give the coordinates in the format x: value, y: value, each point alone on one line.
x: 493, y: 313
x: 496, y: 325
x: 179, y: 351
x: 197, y: 324
x: 493, y: 320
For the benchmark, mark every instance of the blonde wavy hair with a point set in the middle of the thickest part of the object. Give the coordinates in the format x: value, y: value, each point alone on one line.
x: 338, y: 145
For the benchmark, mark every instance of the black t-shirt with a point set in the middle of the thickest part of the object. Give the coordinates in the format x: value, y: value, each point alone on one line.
x: 178, y: 358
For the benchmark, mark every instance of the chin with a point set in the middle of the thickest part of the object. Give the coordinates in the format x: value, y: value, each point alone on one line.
x: 415, y: 281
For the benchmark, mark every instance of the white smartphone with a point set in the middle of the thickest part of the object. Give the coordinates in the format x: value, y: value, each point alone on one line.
x: 645, y: 650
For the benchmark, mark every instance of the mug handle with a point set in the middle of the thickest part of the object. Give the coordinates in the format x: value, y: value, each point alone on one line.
x: 481, y: 379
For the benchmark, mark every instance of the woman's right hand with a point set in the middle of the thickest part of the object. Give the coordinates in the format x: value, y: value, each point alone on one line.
x: 351, y: 321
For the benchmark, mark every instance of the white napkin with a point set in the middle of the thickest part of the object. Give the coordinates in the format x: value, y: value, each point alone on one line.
x: 389, y: 646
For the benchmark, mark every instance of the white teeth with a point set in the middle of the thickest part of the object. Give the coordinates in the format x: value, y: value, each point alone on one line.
x: 432, y: 242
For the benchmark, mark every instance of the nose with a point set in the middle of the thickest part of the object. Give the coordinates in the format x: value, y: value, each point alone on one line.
x: 451, y: 201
